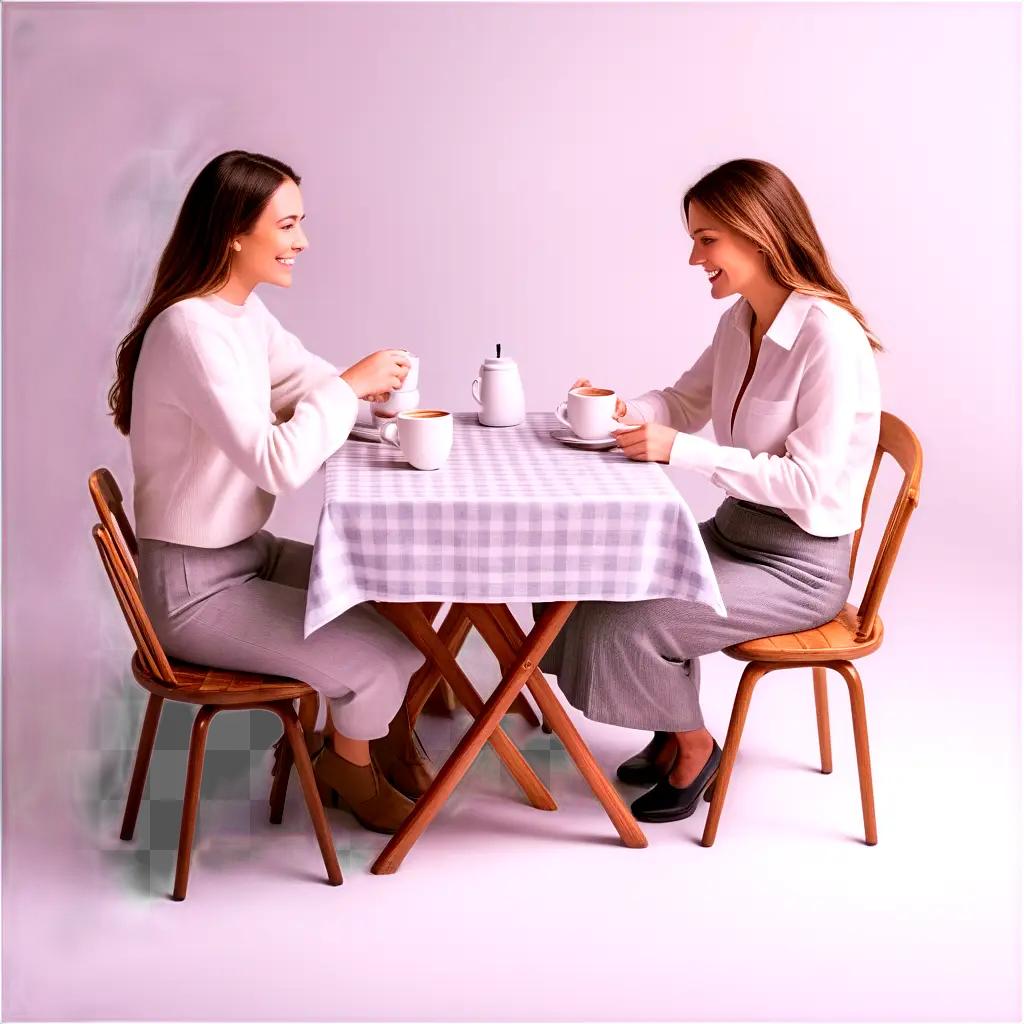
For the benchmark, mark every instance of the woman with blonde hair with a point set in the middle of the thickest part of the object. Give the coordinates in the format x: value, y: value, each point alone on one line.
x: 790, y: 385
x: 225, y: 409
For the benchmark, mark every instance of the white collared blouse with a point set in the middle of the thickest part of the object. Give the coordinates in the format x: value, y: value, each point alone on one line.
x: 807, y: 425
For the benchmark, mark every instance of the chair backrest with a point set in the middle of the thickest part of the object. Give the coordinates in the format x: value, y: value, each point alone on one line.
x: 126, y: 589
x: 895, y: 438
x: 106, y: 496
x: 118, y: 548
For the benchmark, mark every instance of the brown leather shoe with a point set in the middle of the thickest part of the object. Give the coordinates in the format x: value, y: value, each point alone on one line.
x: 363, y: 790
x: 402, y: 758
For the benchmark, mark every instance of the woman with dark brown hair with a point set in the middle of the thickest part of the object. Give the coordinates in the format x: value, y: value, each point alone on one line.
x: 224, y: 410
x: 790, y: 385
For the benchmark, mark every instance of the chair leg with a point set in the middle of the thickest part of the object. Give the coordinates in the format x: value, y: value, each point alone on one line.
x: 279, y: 789
x: 308, y: 706
x: 190, y: 806
x: 142, y: 758
x: 751, y: 674
x: 281, y: 771
x: 821, y: 709
x: 860, y: 738
x: 304, y: 770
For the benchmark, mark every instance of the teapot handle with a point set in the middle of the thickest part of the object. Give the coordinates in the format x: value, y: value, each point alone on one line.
x: 476, y: 391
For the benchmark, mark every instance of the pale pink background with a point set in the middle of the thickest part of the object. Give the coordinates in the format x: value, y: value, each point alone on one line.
x: 479, y: 173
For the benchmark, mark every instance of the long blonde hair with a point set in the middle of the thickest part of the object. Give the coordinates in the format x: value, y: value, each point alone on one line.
x: 757, y: 201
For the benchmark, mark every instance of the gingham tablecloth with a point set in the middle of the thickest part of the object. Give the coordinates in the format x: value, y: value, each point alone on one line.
x: 512, y: 516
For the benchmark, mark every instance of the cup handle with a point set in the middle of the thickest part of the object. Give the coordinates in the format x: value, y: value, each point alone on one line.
x: 560, y: 413
x: 476, y: 391
x: 389, y: 433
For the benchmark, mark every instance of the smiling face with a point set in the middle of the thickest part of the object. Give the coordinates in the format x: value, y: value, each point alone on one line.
x: 268, y: 251
x: 734, y: 264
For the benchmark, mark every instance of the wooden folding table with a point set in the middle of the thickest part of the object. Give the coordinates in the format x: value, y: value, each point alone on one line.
x: 513, y: 516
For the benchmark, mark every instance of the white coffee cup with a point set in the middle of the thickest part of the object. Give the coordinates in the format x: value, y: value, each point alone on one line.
x: 589, y: 413
x: 423, y: 435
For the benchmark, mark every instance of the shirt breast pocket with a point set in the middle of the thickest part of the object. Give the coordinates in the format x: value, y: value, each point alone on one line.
x: 768, y: 424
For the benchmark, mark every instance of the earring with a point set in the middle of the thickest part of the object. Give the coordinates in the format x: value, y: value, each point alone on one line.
x: 236, y: 247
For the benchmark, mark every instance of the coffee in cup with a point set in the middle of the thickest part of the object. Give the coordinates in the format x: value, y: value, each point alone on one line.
x: 589, y: 413
x: 424, y: 436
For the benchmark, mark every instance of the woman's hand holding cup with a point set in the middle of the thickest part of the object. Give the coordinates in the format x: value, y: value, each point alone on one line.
x: 376, y: 375
x: 620, y: 405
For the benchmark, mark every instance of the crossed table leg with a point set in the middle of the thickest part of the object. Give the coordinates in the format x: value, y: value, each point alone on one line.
x: 452, y: 632
x: 518, y: 656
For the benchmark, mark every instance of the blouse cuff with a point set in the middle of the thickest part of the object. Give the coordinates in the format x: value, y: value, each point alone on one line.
x: 696, y: 453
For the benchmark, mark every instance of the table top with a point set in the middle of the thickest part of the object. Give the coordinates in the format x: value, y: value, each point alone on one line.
x: 513, y: 515
x: 522, y: 464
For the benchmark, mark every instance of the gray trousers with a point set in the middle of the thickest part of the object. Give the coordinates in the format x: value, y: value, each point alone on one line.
x: 242, y: 607
x: 637, y: 663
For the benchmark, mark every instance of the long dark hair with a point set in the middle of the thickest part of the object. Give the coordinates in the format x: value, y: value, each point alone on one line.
x: 224, y: 201
x: 756, y: 200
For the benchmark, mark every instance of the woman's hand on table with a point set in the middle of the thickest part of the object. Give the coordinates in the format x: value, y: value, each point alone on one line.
x: 650, y: 442
x: 620, y: 405
x: 374, y: 376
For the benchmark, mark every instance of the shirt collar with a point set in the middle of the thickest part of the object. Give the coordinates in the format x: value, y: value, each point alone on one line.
x: 787, y: 323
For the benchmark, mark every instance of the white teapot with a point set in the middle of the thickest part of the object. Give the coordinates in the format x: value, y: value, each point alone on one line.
x: 499, y: 393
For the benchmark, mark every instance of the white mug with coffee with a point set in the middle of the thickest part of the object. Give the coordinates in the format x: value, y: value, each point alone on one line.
x: 423, y: 435
x: 589, y: 413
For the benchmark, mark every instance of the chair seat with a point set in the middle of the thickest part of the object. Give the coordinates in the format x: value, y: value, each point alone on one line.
x: 834, y: 641
x: 199, y: 684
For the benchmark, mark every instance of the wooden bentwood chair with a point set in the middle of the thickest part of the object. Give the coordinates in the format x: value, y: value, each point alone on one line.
x: 213, y: 689
x: 852, y: 634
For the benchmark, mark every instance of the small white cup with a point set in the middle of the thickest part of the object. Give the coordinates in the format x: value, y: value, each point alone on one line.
x: 589, y: 413
x: 396, y: 402
x: 424, y: 436
x: 412, y: 378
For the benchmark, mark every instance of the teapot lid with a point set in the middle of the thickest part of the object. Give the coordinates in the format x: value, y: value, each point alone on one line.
x: 499, y: 363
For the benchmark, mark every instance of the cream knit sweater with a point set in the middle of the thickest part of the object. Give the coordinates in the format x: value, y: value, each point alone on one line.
x: 228, y: 410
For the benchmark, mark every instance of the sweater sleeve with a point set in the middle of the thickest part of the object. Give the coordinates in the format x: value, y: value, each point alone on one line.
x: 817, y: 449
x: 206, y: 382
x: 293, y: 369
x: 686, y: 405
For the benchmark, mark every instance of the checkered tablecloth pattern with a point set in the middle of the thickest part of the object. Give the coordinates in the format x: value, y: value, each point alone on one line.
x: 512, y: 516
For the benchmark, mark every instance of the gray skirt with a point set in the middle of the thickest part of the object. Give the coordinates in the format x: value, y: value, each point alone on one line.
x: 242, y: 607
x: 637, y: 663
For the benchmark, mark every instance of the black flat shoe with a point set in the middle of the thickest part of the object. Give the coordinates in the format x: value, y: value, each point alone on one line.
x: 669, y: 803
x: 642, y: 769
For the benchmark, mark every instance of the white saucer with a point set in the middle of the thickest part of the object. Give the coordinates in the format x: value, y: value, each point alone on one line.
x: 598, y: 444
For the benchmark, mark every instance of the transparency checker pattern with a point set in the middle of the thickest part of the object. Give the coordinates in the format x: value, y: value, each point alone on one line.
x: 512, y: 515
